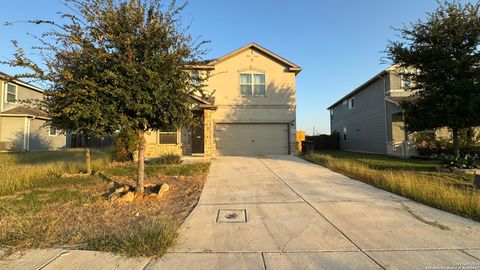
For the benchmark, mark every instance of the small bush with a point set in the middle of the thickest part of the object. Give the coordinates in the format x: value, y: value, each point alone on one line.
x: 126, y: 144
x: 167, y: 159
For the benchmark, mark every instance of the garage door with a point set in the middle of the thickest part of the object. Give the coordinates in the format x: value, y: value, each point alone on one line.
x: 251, y: 139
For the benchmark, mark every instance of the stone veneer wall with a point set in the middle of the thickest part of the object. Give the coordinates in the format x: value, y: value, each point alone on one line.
x: 209, y: 142
x: 156, y: 150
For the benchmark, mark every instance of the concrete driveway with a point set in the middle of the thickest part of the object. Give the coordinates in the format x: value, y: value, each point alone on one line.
x: 284, y: 213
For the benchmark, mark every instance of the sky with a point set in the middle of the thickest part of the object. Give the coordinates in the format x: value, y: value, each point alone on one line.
x: 339, y: 44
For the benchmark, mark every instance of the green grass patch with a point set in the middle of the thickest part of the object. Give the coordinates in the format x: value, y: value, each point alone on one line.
x: 415, y: 180
x: 152, y: 239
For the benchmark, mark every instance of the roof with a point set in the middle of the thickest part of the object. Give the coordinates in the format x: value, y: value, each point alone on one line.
x: 252, y: 45
x: 24, y: 111
x: 203, y: 103
x: 361, y: 87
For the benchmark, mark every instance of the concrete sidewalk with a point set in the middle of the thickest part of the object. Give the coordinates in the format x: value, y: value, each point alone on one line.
x: 284, y: 213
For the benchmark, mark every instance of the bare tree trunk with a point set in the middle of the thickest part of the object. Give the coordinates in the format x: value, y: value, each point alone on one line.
x: 456, y: 143
x: 141, y: 162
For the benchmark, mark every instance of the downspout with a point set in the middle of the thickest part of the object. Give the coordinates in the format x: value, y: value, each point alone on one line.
x: 385, y: 110
x: 25, y: 134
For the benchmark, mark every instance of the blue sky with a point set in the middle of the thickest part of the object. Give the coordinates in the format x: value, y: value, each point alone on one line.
x: 338, y: 43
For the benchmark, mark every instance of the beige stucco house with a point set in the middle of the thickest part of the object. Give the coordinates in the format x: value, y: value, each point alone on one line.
x: 22, y: 128
x: 251, y: 112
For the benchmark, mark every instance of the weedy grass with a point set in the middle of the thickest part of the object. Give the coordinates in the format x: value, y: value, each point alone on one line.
x: 27, y: 170
x: 40, y: 209
x: 151, y: 239
x: 130, y: 170
x: 409, y: 178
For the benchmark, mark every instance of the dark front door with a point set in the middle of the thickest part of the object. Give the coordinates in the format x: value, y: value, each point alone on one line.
x: 197, y: 140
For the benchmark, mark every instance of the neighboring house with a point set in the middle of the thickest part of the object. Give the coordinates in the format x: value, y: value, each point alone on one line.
x: 21, y: 127
x: 369, y: 119
x: 252, y: 111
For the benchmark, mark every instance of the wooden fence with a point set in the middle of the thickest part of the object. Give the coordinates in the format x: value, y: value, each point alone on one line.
x: 78, y: 141
x: 324, y: 142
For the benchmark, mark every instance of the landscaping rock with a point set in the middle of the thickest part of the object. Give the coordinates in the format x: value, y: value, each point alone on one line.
x: 164, y: 188
x: 128, y: 197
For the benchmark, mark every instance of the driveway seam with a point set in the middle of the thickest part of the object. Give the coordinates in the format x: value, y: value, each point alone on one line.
x: 264, y: 262
x: 461, y: 250
x: 53, y: 259
x: 331, y: 223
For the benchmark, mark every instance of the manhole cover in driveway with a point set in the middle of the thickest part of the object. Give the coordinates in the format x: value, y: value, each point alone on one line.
x: 232, y: 215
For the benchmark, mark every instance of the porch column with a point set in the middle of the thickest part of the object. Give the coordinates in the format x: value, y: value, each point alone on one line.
x: 209, y: 143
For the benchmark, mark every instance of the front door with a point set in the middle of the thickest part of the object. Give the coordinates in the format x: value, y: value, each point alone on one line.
x: 197, y: 139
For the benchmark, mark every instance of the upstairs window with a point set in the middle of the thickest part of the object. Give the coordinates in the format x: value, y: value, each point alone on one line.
x: 351, y: 103
x: 196, y: 80
x: 252, y: 84
x: 11, y: 93
x: 344, y: 133
x: 167, y: 137
x: 405, y: 83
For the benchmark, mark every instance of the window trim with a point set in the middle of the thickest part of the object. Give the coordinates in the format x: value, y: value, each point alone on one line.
x: 6, y: 93
x: 252, y: 73
x: 50, y: 132
x: 345, y: 134
x: 168, y: 133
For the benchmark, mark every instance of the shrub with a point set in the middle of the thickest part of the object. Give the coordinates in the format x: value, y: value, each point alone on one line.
x: 126, y: 144
x: 466, y: 161
x: 167, y: 159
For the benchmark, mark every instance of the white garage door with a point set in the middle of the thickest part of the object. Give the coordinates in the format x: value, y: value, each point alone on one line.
x: 251, y: 139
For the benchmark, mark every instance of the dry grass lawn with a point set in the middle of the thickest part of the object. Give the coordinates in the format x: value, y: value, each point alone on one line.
x: 414, y: 179
x: 75, y: 211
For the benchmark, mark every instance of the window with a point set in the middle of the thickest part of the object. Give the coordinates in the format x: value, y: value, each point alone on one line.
x: 11, y: 93
x: 168, y: 137
x: 406, y: 83
x: 331, y: 113
x: 252, y: 84
x: 351, y: 103
x: 344, y: 133
x: 52, y: 131
x: 196, y: 80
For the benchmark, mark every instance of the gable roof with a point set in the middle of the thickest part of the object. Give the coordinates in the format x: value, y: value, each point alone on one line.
x: 252, y: 45
x: 7, y: 77
x: 363, y: 86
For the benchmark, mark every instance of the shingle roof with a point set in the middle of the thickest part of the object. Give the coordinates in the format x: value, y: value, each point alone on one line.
x: 21, y: 110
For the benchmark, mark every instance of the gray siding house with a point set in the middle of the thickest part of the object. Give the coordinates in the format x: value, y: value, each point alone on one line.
x: 22, y: 128
x: 369, y: 119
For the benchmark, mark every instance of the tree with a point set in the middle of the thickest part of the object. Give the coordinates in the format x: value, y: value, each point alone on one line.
x: 148, y: 56
x: 138, y: 62
x: 70, y: 67
x: 441, y: 56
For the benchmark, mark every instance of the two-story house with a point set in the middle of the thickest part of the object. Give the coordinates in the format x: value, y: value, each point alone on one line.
x: 21, y: 127
x: 369, y: 119
x: 252, y: 111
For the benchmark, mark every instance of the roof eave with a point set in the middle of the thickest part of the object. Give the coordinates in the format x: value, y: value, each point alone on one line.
x: 360, y: 88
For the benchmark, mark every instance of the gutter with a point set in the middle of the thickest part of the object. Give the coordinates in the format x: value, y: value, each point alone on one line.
x: 24, y: 115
